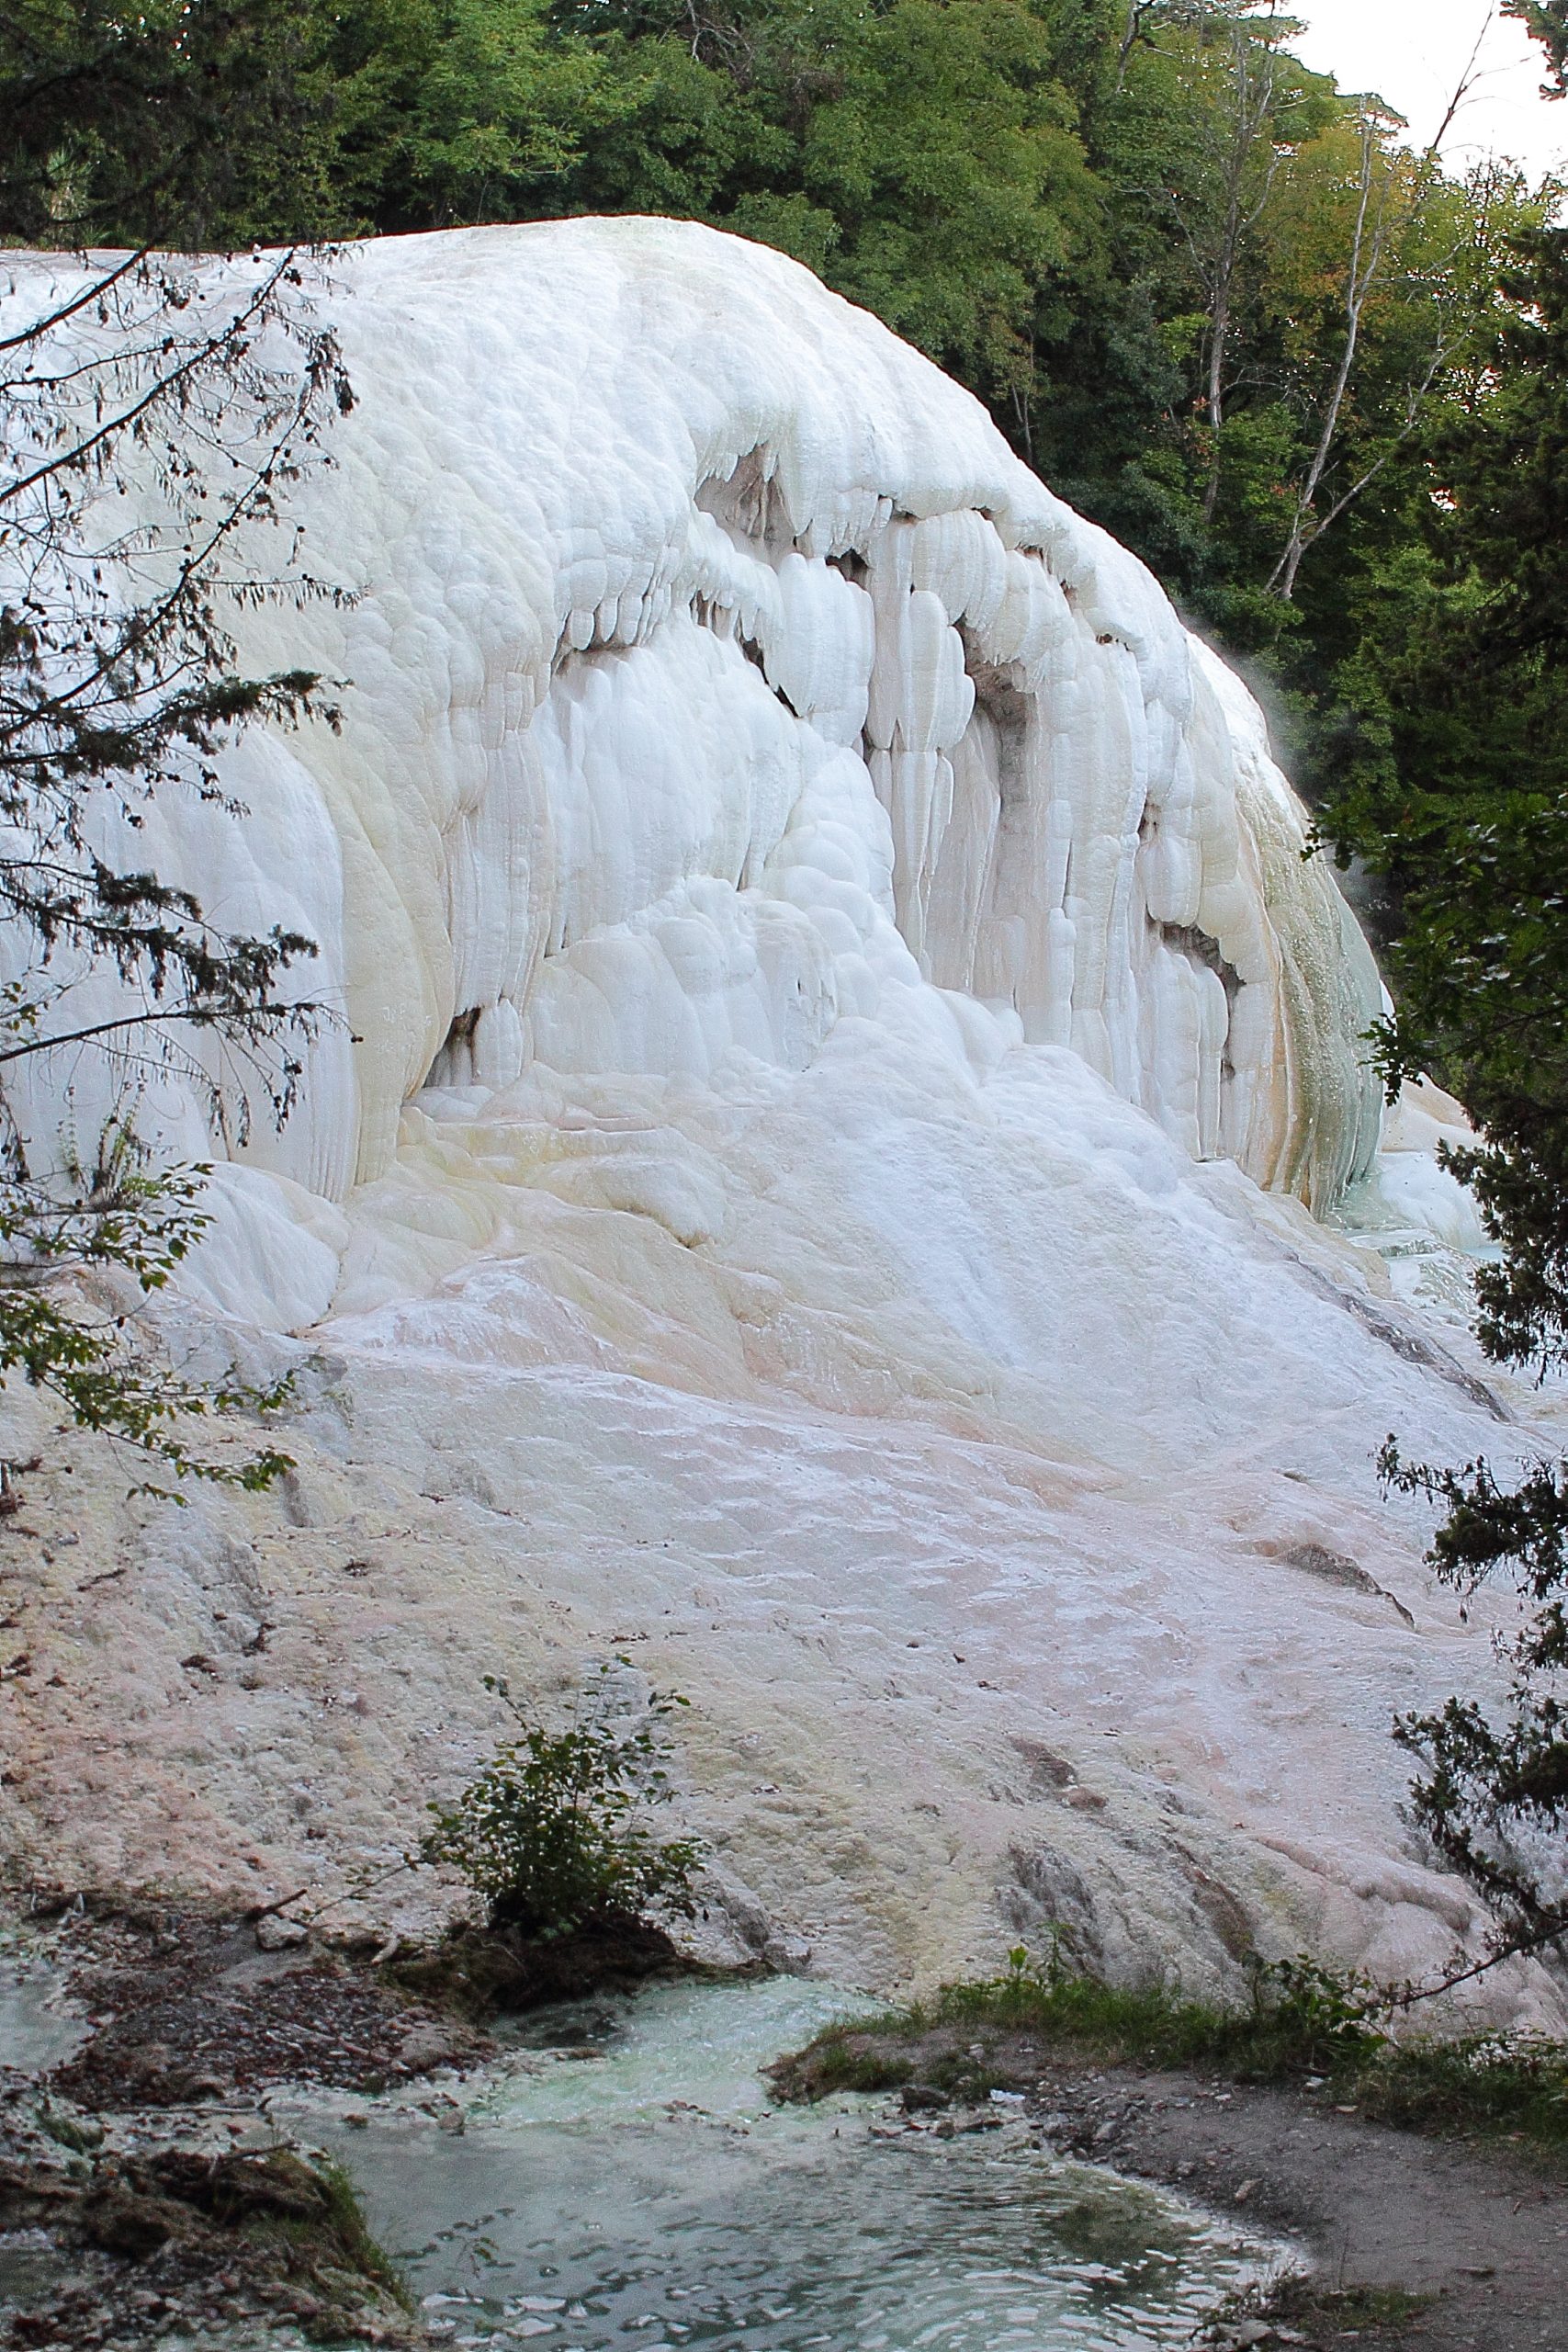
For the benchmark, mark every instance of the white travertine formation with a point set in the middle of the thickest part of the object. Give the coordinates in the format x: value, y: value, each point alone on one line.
x: 718, y: 674
x: 836, y: 1015
x: 723, y: 674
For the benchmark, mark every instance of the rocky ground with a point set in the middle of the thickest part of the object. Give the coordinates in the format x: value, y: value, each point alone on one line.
x: 144, y: 2196
x: 1422, y: 2244
x: 144, y: 2240
x: 188, y: 2006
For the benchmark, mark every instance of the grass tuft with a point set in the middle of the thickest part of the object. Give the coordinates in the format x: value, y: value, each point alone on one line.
x: 361, y: 2253
x: 303, y: 2219
x: 1301, y: 2305
x: 1305, y: 2023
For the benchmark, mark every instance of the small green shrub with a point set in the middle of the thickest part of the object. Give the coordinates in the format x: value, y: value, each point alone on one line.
x: 554, y: 1832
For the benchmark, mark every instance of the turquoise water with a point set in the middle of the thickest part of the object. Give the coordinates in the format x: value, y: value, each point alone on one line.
x: 637, y: 2190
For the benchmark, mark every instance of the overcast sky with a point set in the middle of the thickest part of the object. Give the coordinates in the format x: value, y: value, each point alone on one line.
x: 1412, y: 52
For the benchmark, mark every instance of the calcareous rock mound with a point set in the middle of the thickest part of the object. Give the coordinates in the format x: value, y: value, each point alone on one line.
x: 813, y: 1190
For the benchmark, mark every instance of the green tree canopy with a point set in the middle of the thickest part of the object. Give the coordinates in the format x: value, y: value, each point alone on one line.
x: 1547, y: 21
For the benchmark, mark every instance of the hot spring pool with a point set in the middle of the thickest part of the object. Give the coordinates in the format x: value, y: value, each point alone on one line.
x: 624, y: 2182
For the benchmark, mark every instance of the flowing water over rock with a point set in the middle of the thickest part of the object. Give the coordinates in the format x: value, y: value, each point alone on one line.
x: 37, y: 2027
x: 629, y: 2185
x: 36, y: 2032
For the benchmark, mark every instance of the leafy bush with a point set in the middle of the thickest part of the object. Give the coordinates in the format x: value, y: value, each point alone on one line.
x: 192, y: 396
x: 553, y: 1831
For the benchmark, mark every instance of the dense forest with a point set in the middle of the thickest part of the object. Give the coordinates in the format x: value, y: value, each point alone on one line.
x: 1318, y: 381
x: 1212, y: 298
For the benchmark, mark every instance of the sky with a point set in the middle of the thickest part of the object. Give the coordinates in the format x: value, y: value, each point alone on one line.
x: 1413, y: 54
